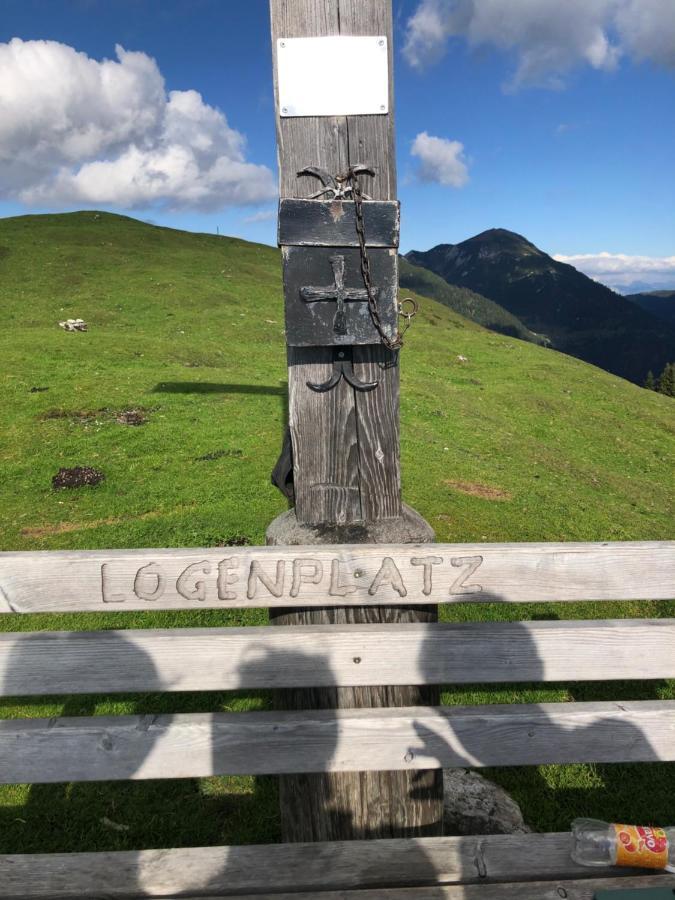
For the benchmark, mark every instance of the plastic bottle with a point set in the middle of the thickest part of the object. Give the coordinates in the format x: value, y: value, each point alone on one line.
x: 596, y: 843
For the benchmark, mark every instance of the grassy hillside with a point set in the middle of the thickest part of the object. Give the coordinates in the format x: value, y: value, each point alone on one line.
x: 468, y: 304
x: 516, y: 443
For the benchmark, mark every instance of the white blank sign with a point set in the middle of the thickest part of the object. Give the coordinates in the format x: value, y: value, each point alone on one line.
x: 333, y: 76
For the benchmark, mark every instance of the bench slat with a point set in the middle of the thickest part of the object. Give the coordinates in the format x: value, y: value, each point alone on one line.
x: 584, y: 889
x: 255, y: 743
x: 231, y: 871
x: 341, y: 575
x: 319, y: 656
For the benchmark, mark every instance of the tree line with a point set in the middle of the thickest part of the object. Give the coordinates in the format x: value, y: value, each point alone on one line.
x: 665, y: 383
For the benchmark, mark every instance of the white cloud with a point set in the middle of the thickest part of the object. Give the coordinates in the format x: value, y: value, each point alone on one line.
x: 647, y: 27
x: 620, y: 271
x: 441, y: 161
x: 548, y: 38
x: 264, y: 215
x: 74, y: 130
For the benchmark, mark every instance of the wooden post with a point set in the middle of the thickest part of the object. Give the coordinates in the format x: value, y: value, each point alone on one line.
x: 346, y: 470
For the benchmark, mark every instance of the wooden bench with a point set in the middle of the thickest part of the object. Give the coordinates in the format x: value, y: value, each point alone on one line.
x: 194, y: 745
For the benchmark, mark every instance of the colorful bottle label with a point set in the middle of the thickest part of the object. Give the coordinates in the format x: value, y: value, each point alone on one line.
x: 641, y: 846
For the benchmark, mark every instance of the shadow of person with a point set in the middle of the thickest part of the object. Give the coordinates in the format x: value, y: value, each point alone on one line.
x: 57, y: 659
x: 321, y: 807
x: 536, y: 736
x: 54, y: 815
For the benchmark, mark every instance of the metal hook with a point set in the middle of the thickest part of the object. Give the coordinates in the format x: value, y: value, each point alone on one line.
x: 343, y: 367
x: 339, y: 186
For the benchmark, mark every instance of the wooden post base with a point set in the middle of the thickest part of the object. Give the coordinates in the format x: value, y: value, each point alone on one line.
x: 408, y: 528
x: 352, y: 805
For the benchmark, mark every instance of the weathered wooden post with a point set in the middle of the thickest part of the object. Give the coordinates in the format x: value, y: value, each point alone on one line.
x: 334, y: 113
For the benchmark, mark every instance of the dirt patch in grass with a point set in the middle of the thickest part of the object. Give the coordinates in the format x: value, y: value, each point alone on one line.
x: 78, y: 476
x: 234, y: 540
x: 131, y: 417
x: 41, y: 531
x: 220, y: 454
x: 484, y: 491
x: 136, y: 416
x: 77, y: 416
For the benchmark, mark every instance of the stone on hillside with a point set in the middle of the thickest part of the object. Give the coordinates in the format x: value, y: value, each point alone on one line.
x: 474, y: 805
x: 73, y: 325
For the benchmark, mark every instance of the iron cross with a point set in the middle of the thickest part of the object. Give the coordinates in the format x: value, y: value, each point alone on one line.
x: 338, y: 292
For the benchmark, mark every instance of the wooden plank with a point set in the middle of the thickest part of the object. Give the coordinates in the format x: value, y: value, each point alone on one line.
x: 334, y: 575
x: 328, y: 488
x: 309, y: 867
x: 378, y: 425
x: 325, y: 471
x: 335, y: 452
x: 317, y: 223
x: 318, y: 656
x: 371, y: 138
x: 108, y: 748
x: 326, y: 142
x: 585, y: 889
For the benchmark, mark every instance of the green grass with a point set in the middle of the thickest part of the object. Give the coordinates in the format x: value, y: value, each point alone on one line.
x: 517, y: 443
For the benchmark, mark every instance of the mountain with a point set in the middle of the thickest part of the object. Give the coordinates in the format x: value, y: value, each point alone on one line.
x: 467, y: 303
x: 580, y: 316
x: 659, y: 303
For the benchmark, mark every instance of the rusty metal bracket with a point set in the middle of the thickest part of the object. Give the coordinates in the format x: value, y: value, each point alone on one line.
x: 340, y: 186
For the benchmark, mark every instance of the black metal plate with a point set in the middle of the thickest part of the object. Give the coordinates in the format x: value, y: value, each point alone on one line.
x: 332, y: 223
x: 311, y: 272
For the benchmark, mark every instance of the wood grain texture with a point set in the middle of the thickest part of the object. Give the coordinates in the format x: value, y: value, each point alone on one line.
x: 352, y: 805
x: 329, y: 438
x: 109, y: 748
x: 319, y: 656
x: 336, y: 452
x: 308, y: 867
x: 371, y: 138
x: 325, y: 470
x: 358, y: 575
x: 377, y: 416
x: 584, y: 889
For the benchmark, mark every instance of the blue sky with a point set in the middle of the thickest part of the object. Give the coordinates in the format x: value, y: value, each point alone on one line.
x: 556, y: 123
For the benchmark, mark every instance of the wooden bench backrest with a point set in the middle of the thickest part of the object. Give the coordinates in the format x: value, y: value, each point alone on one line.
x: 191, y: 745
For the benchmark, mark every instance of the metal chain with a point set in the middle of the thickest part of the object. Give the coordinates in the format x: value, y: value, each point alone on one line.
x: 351, y: 178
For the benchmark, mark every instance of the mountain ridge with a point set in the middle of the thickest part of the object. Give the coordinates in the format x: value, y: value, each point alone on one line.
x: 580, y: 316
x: 659, y: 303
x: 467, y: 303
